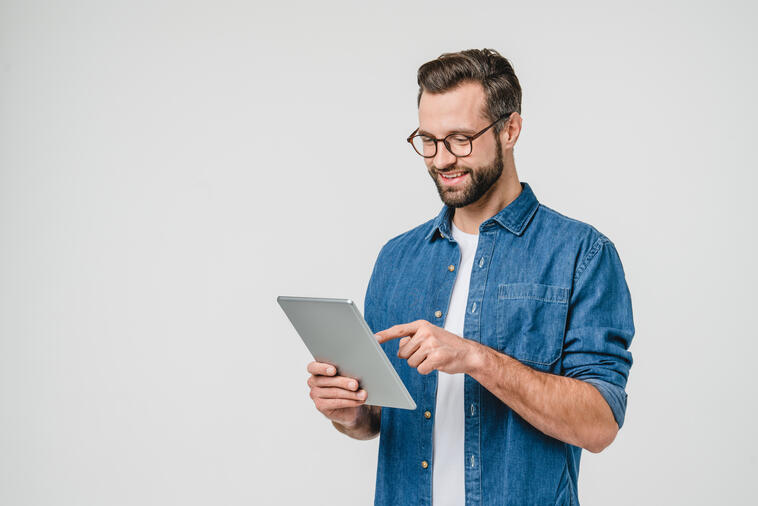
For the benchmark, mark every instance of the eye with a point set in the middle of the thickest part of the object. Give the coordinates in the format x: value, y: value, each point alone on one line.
x: 458, y: 139
x: 426, y: 139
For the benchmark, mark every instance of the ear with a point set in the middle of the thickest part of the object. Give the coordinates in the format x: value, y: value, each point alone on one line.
x: 510, y: 132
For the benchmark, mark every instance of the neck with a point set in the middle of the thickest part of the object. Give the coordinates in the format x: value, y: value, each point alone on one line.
x: 503, y: 192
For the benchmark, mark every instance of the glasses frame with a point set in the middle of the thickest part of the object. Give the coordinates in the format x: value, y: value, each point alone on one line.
x: 444, y: 140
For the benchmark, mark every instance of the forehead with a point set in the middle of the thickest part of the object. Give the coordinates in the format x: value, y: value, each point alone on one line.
x: 461, y: 107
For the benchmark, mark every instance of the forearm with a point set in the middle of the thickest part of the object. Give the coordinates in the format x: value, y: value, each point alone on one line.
x: 565, y: 408
x: 366, y: 426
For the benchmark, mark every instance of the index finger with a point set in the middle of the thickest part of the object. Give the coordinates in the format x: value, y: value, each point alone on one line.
x: 322, y: 369
x: 402, y: 330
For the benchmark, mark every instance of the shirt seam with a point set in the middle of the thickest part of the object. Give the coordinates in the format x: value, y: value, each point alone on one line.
x: 599, y: 243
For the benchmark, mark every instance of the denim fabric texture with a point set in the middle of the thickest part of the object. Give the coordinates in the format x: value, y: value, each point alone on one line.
x: 546, y: 290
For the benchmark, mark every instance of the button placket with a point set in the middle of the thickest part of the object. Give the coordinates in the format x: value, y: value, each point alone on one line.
x: 472, y: 390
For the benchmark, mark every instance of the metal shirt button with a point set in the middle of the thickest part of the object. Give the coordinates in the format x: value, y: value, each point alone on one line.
x: 427, y: 414
x: 481, y: 262
x: 438, y: 314
x: 451, y: 267
x: 424, y: 464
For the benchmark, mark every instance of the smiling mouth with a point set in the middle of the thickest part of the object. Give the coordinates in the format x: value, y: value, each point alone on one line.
x: 453, y: 177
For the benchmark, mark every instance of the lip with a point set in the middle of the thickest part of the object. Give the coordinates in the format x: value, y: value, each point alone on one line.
x: 454, y: 181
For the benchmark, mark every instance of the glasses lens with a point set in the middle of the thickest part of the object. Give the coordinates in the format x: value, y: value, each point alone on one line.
x: 460, y: 145
x: 424, y: 146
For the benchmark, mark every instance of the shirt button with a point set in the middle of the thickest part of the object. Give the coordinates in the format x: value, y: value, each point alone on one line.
x: 472, y: 410
x: 481, y: 262
x: 438, y: 314
x: 451, y: 267
x: 427, y: 414
x: 424, y: 464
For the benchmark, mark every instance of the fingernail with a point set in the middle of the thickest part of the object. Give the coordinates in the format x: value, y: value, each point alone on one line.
x: 330, y: 370
x: 362, y: 394
x: 353, y: 385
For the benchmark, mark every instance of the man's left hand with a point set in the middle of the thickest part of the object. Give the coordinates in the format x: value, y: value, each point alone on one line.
x: 428, y: 347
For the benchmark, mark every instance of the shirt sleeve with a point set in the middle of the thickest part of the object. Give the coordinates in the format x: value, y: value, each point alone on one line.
x: 600, y: 326
x: 372, y: 304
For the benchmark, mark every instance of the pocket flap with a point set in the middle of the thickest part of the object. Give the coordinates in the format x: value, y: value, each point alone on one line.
x: 544, y: 293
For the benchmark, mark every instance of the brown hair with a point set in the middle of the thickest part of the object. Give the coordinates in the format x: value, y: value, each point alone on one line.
x: 484, y: 66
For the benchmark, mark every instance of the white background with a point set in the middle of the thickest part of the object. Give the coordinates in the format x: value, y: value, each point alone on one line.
x: 168, y: 168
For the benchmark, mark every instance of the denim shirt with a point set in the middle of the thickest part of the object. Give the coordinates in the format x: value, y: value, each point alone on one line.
x: 546, y: 290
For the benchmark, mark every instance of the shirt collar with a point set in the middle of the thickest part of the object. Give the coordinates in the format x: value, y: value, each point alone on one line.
x: 514, y: 217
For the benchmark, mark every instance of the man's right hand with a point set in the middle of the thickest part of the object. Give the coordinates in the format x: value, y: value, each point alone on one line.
x: 337, y: 397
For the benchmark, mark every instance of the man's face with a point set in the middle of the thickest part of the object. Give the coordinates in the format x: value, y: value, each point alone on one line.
x: 461, y: 111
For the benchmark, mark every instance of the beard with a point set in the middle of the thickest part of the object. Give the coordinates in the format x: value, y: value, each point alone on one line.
x: 480, y: 181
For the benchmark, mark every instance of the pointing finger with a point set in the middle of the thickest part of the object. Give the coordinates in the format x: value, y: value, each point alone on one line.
x: 402, y: 330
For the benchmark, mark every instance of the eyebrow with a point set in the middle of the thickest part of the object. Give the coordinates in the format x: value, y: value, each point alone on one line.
x: 465, y: 131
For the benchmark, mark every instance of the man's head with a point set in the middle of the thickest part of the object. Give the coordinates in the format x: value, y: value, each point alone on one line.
x: 463, y: 93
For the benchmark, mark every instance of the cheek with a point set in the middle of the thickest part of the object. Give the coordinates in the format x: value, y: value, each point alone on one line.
x: 483, y: 153
x: 482, y: 160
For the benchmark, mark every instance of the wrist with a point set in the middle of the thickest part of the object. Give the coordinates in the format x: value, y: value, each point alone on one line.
x: 364, y: 426
x: 356, y: 421
x: 476, y: 359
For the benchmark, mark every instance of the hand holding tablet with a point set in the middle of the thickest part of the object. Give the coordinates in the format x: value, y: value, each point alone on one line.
x: 336, y: 334
x: 341, y: 401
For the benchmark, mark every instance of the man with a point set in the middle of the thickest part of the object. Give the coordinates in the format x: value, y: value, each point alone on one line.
x: 508, y: 322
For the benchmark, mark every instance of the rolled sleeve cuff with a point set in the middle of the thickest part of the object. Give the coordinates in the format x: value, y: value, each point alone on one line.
x: 614, y: 395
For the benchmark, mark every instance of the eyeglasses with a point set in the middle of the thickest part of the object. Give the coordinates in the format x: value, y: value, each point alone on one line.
x: 458, y: 144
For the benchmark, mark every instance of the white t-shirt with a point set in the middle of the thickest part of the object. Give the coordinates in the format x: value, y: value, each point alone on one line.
x: 448, y: 478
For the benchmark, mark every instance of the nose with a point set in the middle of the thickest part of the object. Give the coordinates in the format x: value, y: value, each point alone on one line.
x: 443, y: 158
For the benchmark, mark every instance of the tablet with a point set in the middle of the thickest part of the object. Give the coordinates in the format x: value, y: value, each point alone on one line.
x: 335, y: 332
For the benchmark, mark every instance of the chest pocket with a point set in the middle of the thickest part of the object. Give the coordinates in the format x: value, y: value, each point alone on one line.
x: 531, y: 320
